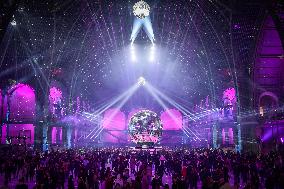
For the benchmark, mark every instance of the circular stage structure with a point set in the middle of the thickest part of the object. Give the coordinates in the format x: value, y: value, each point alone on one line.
x: 145, y: 128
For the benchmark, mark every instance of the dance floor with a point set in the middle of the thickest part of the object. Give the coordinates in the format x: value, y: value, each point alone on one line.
x: 167, y: 179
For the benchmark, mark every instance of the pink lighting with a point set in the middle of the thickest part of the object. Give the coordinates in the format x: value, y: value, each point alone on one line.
x: 230, y: 94
x: 56, y: 135
x: 3, y: 137
x: 22, y: 102
x: 0, y: 100
x: 231, y: 136
x: 171, y: 119
x: 223, y: 136
x: 59, y: 130
x: 114, y: 119
x: 55, y: 95
x: 19, y: 130
x: 117, y: 137
x: 53, y: 135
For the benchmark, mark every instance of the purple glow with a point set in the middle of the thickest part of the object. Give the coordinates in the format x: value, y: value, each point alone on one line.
x: 114, y: 119
x: 53, y: 135
x: 55, y: 95
x: 0, y: 100
x: 22, y: 102
x: 267, y: 66
x: 268, y: 100
x: 56, y: 135
x: 115, y: 137
x: 3, y: 137
x: 17, y: 130
x: 267, y: 135
x: 237, y: 26
x: 170, y: 123
x: 231, y: 136
x: 230, y: 94
x: 272, y: 130
x: 223, y: 136
x: 60, y: 133
x: 75, y: 120
x: 75, y: 135
x: 77, y: 105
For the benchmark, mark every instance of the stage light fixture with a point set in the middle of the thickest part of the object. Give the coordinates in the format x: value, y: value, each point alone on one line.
x: 141, y: 81
x: 13, y: 22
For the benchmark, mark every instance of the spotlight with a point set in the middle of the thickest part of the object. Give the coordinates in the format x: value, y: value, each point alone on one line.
x: 141, y: 81
x: 132, y: 52
x: 13, y: 22
x: 153, y: 47
x: 21, y: 8
x: 138, y: 24
x: 152, y: 53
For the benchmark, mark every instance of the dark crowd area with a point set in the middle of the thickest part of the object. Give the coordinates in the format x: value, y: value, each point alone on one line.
x: 123, y: 168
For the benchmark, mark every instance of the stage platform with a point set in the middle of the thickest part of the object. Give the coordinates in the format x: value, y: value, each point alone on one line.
x: 146, y: 148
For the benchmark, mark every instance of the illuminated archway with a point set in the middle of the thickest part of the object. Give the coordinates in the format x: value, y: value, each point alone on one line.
x: 268, y: 99
x: 19, y: 110
x: 171, y: 119
x: 114, y: 127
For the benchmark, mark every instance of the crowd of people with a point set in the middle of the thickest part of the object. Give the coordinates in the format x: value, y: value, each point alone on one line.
x: 123, y: 168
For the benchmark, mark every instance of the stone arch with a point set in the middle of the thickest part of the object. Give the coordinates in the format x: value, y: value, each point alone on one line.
x: 20, y: 106
x: 271, y: 100
x: 22, y: 101
x: 268, y: 64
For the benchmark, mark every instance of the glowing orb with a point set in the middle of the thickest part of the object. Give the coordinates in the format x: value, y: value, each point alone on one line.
x: 145, y: 127
x: 141, y: 81
x: 141, y: 9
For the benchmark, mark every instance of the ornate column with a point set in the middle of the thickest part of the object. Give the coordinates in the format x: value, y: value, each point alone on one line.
x: 239, y: 134
x: 215, y: 135
x: 2, y: 114
x: 45, y: 136
x: 68, y: 136
x: 41, y: 122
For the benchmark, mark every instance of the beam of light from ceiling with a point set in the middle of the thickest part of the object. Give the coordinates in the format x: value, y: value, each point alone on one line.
x: 110, y: 104
x: 133, y: 53
x: 165, y: 107
x: 137, y: 25
x: 152, y: 53
x: 172, y: 102
x: 149, y: 28
x: 146, y: 24
x: 121, y: 104
x: 149, y: 88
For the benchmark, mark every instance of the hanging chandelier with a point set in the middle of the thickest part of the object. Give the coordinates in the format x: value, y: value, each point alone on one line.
x: 141, y: 9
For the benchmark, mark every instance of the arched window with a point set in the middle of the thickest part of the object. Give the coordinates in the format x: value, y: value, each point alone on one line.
x: 171, y: 119
x: 268, y: 102
x: 19, y: 108
x: 21, y: 99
